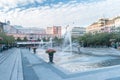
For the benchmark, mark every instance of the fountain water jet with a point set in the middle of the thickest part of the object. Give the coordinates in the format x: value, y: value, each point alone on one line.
x: 67, y: 45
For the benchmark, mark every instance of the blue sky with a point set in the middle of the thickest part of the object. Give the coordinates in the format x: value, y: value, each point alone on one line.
x: 43, y: 13
x: 37, y: 3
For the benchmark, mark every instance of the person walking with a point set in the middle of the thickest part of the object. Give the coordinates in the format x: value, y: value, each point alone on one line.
x: 34, y: 49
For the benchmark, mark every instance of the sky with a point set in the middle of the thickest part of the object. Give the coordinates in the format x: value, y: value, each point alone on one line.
x: 45, y: 13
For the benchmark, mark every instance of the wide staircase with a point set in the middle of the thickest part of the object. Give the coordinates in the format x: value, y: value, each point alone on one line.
x: 11, y: 65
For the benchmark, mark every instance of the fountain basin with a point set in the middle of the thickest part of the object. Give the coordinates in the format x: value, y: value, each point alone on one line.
x: 91, y: 60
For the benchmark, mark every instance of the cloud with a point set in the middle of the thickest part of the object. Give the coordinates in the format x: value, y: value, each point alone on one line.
x: 8, y: 4
x: 81, y: 14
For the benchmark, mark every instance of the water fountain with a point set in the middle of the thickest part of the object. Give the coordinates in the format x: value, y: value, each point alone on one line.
x: 51, y: 42
x: 67, y: 43
x: 89, y: 59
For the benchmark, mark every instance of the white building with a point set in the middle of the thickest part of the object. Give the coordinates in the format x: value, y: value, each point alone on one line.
x: 29, y: 33
x: 117, y: 24
x: 78, y: 31
x: 105, y: 25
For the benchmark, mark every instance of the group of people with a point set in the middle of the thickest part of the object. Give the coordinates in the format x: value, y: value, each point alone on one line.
x: 34, y: 49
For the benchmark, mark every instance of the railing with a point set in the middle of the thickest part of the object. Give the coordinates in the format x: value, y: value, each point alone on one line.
x: 32, y: 42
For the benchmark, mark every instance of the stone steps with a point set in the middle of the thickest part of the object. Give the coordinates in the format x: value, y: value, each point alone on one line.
x: 4, y: 57
x: 11, y: 68
x: 20, y: 69
x: 17, y: 71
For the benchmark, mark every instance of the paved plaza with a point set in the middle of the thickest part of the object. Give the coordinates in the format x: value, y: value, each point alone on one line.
x: 22, y: 64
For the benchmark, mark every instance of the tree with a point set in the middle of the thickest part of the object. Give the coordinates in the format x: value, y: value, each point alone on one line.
x: 98, y: 39
x: 25, y: 39
x: 57, y: 41
x: 8, y: 40
x: 19, y: 39
x: 38, y: 39
x: 2, y: 35
x: 44, y: 39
